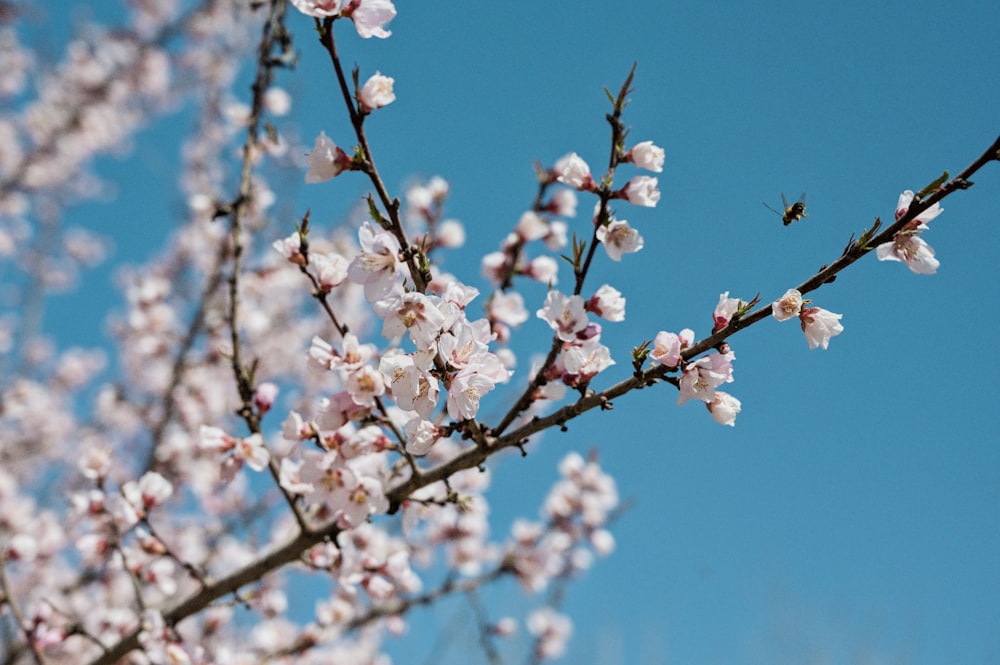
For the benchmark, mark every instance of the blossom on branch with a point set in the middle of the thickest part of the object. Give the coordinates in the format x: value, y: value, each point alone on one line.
x: 566, y: 315
x: 819, y: 325
x: 724, y: 311
x: 573, y: 171
x: 641, y: 190
x: 378, y: 265
x: 369, y: 16
x: 667, y: 346
x: 647, y: 156
x: 377, y: 92
x: 619, y: 238
x: 911, y: 249
x: 906, y: 246
x: 724, y: 408
x: 607, y: 303
x: 326, y: 161
x: 788, y: 306
x: 702, y: 376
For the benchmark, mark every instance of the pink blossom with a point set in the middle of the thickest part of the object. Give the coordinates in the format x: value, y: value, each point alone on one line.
x: 573, y: 171
x: 464, y: 393
x: 424, y: 199
x: 508, y: 308
x: 450, y: 234
x: 787, y: 306
x: 278, y: 101
x: 330, y: 269
x: 291, y: 248
x: 724, y: 408
x: 421, y: 435
x: 551, y: 630
x: 377, y: 265
x: 377, y: 92
x: 543, y: 269
x: 370, y: 16
x: 724, y: 311
x: 583, y: 362
x: 264, y: 396
x: 819, y: 325
x: 412, y: 312
x: 565, y: 314
x: 409, y: 379
x: 910, y: 248
x: 461, y: 346
x: 563, y: 203
x: 667, y: 346
x: 702, y: 376
x: 647, y: 156
x: 920, y: 221
x: 619, y: 238
x: 364, y: 385
x: 151, y: 490
x: 531, y: 226
x: 318, y: 8
x: 294, y: 428
x: 290, y: 477
x: 504, y: 627
x: 642, y: 191
x: 326, y: 160
x: 556, y: 235
x: 607, y: 303
x: 340, y: 409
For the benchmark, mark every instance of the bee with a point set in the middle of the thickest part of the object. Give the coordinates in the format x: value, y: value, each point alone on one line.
x: 793, y: 211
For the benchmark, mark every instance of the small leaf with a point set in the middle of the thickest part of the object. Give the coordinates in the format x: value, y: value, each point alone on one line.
x: 933, y: 187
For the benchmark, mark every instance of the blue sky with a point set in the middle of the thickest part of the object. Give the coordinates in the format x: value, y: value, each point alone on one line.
x: 851, y: 514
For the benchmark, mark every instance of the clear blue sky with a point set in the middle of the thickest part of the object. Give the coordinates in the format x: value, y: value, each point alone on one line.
x: 851, y: 516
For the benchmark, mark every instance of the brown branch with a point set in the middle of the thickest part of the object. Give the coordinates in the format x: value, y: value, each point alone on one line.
x: 7, y: 598
x: 420, y: 277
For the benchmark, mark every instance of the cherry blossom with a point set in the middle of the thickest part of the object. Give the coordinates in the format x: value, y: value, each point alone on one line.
x: 566, y: 315
x: 607, y: 303
x: 326, y: 160
x: 370, y: 16
x: 724, y: 311
x: 573, y: 171
x: 264, y: 396
x: 582, y: 362
x: 702, y: 376
x: 411, y: 312
x: 563, y: 203
x: 318, y: 8
x: 377, y: 92
x: 911, y: 249
x: 724, y: 408
x: 667, y: 346
x: 819, y: 325
x: 543, y: 269
x: 647, y: 156
x: 642, y: 190
x: 551, y: 630
x: 907, y: 246
x: 619, y: 238
x: 377, y: 266
x: 788, y: 306
x: 466, y: 389
x: 903, y: 206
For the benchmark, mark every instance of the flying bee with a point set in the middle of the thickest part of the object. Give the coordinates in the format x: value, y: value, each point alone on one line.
x: 793, y: 211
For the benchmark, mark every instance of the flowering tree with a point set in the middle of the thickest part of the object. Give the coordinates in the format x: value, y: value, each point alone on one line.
x: 290, y: 403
